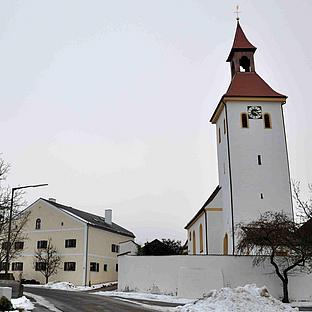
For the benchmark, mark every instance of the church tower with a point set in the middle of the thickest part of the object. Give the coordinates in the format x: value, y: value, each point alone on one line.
x: 252, y: 156
x: 251, y: 144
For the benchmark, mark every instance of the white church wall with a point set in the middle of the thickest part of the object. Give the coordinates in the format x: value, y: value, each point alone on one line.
x: 224, y: 176
x: 195, y: 228
x: 215, y: 229
x: 249, y: 179
x: 215, y: 232
x: 215, y: 225
x: 194, y: 276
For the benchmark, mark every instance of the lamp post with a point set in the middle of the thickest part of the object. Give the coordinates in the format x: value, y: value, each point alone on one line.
x: 10, y: 222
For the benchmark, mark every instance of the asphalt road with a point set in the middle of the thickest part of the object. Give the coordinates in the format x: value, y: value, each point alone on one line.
x: 70, y: 301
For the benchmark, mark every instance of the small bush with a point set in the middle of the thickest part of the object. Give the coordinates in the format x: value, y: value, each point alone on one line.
x: 5, y: 304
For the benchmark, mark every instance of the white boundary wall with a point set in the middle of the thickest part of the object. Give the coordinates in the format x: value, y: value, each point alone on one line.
x: 194, y: 276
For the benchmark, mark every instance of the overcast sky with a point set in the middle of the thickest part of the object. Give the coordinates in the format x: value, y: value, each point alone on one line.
x: 109, y: 101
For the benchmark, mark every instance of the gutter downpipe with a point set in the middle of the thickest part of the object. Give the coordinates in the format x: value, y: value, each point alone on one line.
x: 86, y: 254
x: 206, y: 230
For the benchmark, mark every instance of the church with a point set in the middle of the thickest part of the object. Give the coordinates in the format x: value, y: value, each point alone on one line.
x: 253, y: 166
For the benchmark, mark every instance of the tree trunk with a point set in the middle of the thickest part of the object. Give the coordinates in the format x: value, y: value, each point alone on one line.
x: 47, y: 279
x: 285, y: 291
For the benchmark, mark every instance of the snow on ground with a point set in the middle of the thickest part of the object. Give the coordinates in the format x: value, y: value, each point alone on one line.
x: 144, y: 296
x: 22, y: 303
x: 240, y: 299
x: 71, y: 287
x: 301, y: 304
x: 43, y: 302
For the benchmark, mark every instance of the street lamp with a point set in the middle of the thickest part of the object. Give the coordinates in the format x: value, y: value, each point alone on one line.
x: 10, y: 222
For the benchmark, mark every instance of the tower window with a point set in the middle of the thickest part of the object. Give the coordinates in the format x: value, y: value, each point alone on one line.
x: 244, y: 120
x: 225, y: 245
x: 194, y: 243
x: 267, y: 121
x: 261, y: 195
x: 201, y: 239
x: 224, y: 126
x: 219, y: 135
x: 244, y: 64
x: 259, y: 160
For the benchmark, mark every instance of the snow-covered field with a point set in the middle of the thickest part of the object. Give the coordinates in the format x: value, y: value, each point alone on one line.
x: 71, y: 287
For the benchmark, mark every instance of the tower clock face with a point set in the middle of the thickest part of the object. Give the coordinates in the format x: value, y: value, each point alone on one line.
x: 254, y: 112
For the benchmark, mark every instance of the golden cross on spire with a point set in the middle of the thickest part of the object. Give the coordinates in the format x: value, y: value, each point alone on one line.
x: 237, y: 12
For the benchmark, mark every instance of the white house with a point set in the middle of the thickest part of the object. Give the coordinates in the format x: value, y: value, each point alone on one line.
x: 252, y: 156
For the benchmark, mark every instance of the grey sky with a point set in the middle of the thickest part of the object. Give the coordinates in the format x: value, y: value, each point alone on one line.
x: 109, y: 101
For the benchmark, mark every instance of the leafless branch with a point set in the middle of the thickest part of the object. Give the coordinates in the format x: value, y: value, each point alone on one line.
x: 47, y: 260
x: 276, y: 238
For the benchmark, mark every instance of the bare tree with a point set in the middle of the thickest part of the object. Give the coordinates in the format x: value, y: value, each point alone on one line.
x: 19, y: 219
x: 276, y: 238
x: 5, y: 192
x: 47, y: 260
x: 304, y: 206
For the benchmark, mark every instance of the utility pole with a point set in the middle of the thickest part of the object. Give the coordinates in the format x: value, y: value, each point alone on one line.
x: 10, y: 223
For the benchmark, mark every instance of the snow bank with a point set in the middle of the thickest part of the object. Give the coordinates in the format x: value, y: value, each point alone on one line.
x: 71, y: 287
x: 143, y: 296
x: 22, y: 303
x: 240, y: 299
x: 60, y: 285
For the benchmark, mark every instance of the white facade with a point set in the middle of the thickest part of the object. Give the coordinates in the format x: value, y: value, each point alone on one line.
x: 129, y: 247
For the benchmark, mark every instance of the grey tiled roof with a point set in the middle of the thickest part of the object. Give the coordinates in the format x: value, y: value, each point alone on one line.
x: 91, y: 219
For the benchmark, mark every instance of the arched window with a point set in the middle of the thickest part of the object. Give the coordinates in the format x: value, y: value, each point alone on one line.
x: 219, y: 135
x: 244, y: 120
x: 38, y: 224
x: 190, y: 236
x: 267, y: 121
x: 244, y: 64
x: 225, y: 244
x: 201, y: 238
x: 224, y: 126
x: 194, y: 243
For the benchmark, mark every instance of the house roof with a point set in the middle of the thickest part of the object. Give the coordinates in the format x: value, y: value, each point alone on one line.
x: 250, y: 84
x: 202, y: 209
x: 240, y: 43
x: 91, y: 219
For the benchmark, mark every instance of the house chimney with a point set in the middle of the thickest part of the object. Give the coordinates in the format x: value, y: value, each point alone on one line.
x: 108, y: 216
x: 51, y: 199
